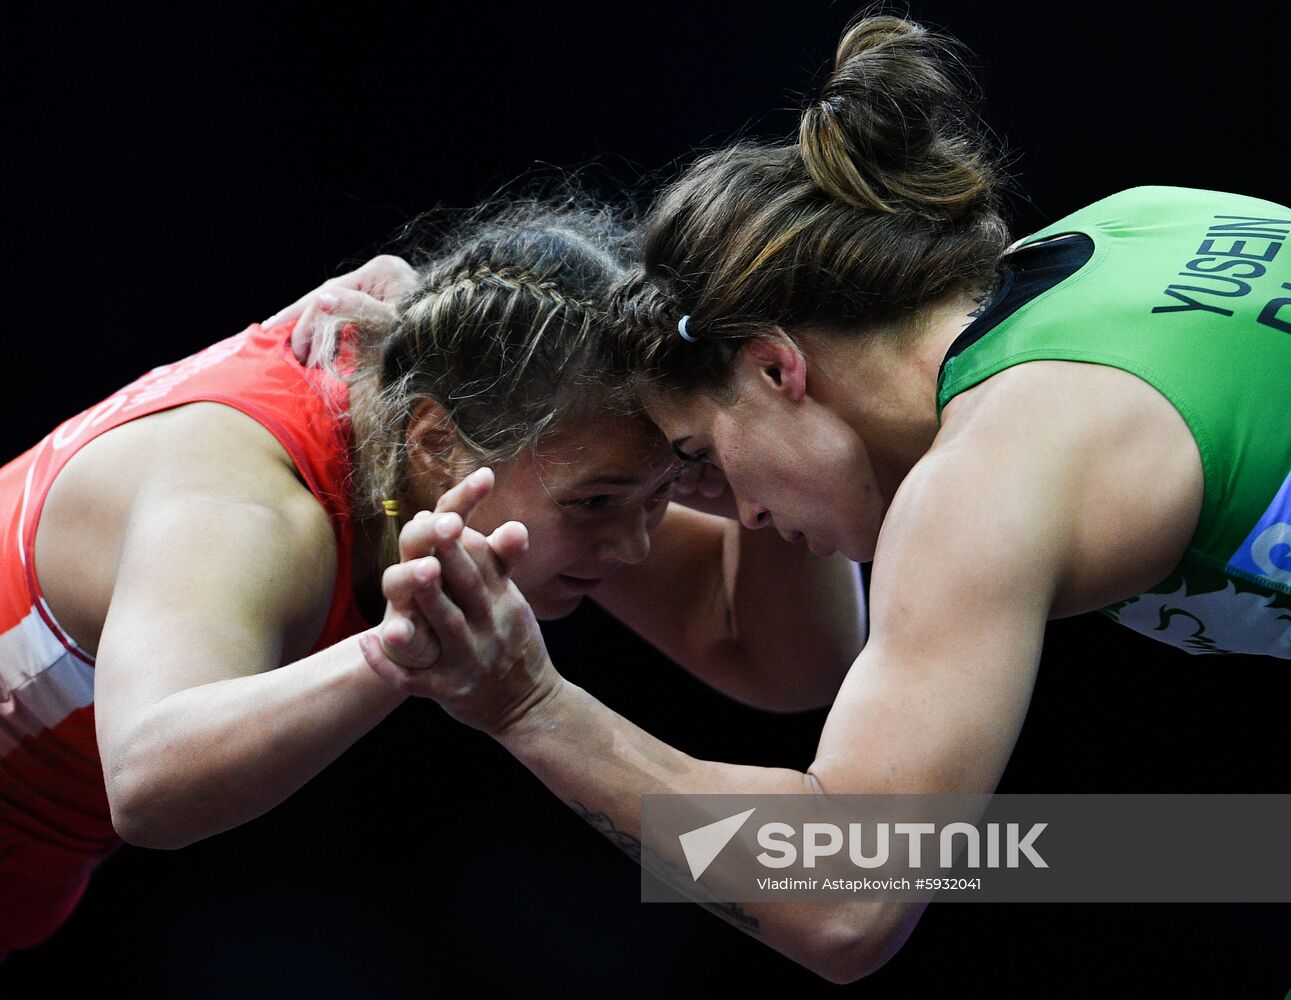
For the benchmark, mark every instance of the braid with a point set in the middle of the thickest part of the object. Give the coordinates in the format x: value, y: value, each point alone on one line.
x: 642, y: 341
x: 497, y: 332
x: 517, y: 281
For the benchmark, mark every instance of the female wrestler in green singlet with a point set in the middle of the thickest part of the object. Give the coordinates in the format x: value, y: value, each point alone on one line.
x: 1094, y: 418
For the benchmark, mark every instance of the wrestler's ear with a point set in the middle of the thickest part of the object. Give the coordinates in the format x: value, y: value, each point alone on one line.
x: 774, y: 361
x: 436, y: 454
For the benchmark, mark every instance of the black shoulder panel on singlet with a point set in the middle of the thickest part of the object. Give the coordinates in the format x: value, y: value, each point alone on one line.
x: 1025, y: 274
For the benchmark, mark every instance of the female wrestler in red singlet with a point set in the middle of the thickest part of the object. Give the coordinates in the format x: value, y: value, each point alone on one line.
x: 186, y: 564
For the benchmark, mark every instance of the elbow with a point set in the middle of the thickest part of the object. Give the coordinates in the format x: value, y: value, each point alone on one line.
x: 140, y: 795
x: 843, y: 956
x: 859, y: 941
x: 138, y: 820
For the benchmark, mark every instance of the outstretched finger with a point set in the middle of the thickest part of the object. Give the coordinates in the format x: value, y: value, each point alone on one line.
x: 480, y: 549
x: 293, y: 311
x: 419, y: 536
x: 509, y: 543
x: 463, y: 498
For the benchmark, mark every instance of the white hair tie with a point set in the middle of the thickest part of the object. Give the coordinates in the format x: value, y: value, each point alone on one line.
x: 681, y: 328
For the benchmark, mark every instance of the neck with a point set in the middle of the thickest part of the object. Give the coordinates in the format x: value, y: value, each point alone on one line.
x: 884, y: 384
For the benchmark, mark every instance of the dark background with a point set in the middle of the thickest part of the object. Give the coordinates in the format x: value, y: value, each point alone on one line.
x: 174, y: 177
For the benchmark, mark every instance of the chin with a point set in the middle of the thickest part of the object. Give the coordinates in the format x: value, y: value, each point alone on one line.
x: 860, y: 551
x: 552, y: 608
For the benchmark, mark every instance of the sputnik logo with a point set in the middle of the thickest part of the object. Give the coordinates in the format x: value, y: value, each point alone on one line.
x: 703, y: 845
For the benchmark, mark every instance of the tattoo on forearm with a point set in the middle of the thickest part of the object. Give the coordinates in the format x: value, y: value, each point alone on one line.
x: 665, y: 870
x: 624, y: 841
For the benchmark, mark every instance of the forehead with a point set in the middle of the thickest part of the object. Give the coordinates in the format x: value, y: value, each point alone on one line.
x: 604, y: 446
x: 680, y: 416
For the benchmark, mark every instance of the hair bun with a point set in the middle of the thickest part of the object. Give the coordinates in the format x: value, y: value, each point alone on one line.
x: 893, y: 129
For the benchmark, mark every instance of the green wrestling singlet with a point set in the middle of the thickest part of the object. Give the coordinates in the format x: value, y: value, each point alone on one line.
x: 1191, y: 292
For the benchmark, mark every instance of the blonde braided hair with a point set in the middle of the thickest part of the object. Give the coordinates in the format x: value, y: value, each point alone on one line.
x: 498, y: 331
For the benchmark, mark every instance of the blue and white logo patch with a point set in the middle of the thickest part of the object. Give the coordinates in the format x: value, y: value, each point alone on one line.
x: 1266, y: 551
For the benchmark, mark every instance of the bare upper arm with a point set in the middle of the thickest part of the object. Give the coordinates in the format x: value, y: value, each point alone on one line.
x: 1027, y: 506
x: 676, y: 598
x: 751, y: 615
x: 959, y: 598
x: 224, y: 566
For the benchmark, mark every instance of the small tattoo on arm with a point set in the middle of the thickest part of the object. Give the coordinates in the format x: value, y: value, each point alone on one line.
x: 667, y: 872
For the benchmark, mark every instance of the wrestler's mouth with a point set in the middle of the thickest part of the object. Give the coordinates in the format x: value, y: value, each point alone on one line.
x: 581, y: 584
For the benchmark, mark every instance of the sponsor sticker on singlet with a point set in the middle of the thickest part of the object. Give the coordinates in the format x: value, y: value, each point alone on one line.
x: 1266, y: 551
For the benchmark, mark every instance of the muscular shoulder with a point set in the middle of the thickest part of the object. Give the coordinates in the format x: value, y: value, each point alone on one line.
x: 202, y: 476
x: 1109, y: 456
x: 209, y: 454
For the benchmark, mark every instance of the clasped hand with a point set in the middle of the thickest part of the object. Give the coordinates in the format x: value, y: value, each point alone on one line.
x: 456, y: 628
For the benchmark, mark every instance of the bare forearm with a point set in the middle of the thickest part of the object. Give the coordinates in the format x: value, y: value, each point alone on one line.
x: 601, y: 764
x: 798, y: 619
x: 209, y: 758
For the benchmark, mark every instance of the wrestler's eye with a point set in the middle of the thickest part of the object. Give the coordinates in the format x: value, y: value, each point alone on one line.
x: 686, y: 456
x: 591, y: 503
